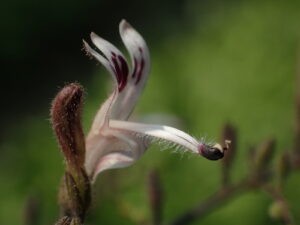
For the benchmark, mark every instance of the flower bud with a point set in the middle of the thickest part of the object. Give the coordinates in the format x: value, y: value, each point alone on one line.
x: 228, y: 133
x: 263, y: 154
x: 283, y: 168
x: 66, y: 120
x: 155, y: 196
x: 276, y: 210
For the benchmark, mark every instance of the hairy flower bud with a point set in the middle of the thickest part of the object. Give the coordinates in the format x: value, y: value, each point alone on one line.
x: 75, y: 191
x: 66, y: 121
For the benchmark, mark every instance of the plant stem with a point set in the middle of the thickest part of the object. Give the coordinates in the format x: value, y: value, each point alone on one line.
x: 216, y: 200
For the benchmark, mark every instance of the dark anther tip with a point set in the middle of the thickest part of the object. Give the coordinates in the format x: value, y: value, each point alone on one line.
x: 215, y: 152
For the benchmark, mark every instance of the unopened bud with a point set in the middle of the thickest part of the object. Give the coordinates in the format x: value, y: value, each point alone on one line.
x: 229, y: 133
x: 228, y: 137
x: 155, y: 197
x: 263, y: 154
x: 66, y: 120
x: 32, y: 211
x: 277, y: 210
x: 283, y: 168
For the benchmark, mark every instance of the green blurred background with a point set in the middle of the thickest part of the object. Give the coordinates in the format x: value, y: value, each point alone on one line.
x: 212, y: 62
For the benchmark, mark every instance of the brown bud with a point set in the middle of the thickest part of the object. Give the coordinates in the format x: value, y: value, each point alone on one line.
x: 66, y: 120
x: 276, y: 210
x: 283, y: 168
x: 155, y: 196
x: 263, y: 154
x: 228, y: 133
x: 31, y: 211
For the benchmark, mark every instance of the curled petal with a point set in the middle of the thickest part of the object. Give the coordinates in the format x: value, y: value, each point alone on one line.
x: 112, y: 59
x: 99, y: 57
x: 140, y: 58
x: 172, y: 135
x: 117, y: 61
x: 129, y: 86
x: 138, y: 51
x: 121, y: 103
x: 113, y: 160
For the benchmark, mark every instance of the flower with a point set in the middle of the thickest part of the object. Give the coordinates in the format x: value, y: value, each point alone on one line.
x: 113, y: 141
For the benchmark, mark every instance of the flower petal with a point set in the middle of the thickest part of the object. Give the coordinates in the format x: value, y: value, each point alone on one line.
x: 100, y: 58
x: 172, y: 135
x: 140, y: 58
x: 129, y: 87
x: 102, y: 116
x: 113, y: 160
x: 112, y: 149
x: 115, y: 57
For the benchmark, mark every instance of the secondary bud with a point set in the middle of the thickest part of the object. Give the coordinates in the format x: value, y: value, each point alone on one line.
x: 283, y: 168
x: 229, y: 133
x: 155, y: 196
x: 66, y: 120
x: 263, y: 154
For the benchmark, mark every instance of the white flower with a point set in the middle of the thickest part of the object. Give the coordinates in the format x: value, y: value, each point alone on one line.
x: 114, y: 142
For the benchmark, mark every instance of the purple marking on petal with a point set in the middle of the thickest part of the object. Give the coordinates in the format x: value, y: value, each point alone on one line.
x: 140, y: 50
x: 121, y: 69
x: 117, y: 69
x: 140, y: 71
x: 124, y: 66
x: 125, y: 70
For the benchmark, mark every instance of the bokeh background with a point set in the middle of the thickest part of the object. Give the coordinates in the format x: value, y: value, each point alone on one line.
x: 212, y: 62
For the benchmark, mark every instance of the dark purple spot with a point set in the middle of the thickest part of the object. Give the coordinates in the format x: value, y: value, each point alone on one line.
x: 117, y: 68
x: 121, y: 70
x: 140, y: 50
x: 124, y: 70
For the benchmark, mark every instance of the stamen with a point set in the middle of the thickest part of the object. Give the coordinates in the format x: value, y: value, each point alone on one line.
x: 211, y: 152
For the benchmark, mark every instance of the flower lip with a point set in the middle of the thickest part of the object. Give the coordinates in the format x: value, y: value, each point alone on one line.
x: 215, y: 152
